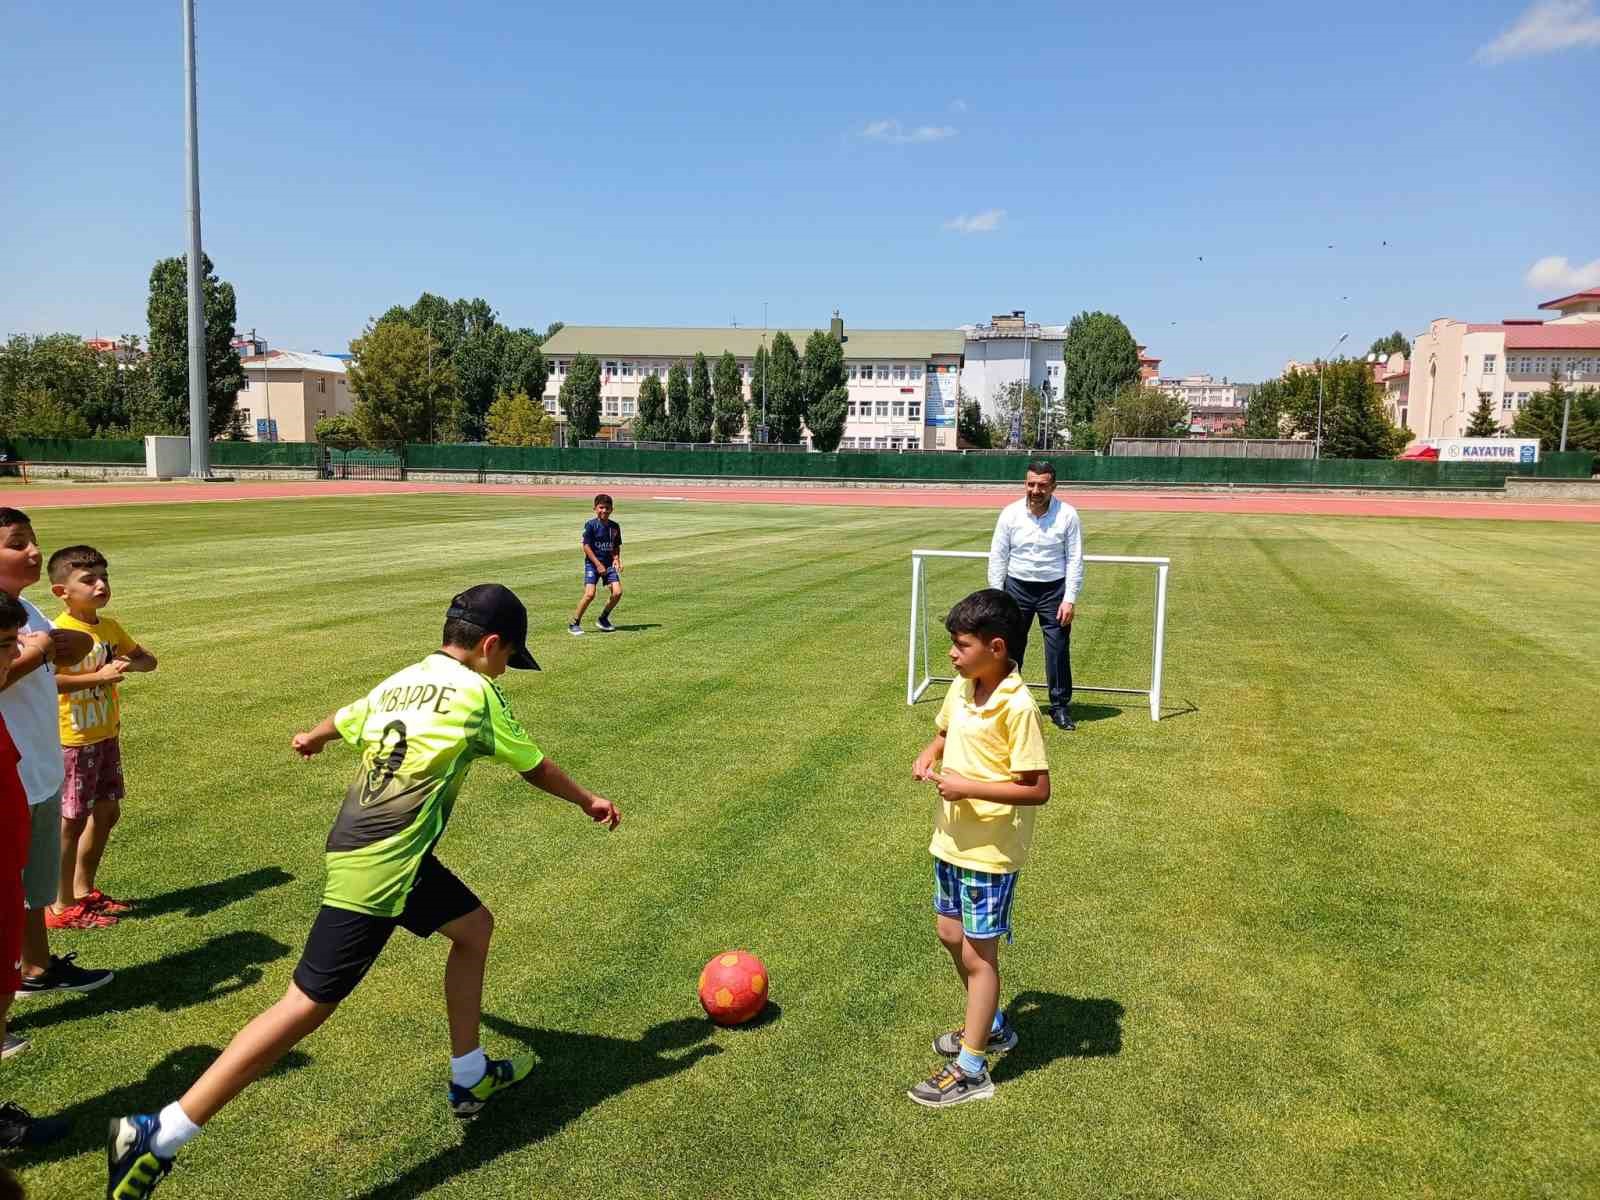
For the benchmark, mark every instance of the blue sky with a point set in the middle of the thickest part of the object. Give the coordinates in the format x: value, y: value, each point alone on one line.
x: 912, y: 165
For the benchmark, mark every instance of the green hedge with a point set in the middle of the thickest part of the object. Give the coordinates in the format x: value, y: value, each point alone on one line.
x: 933, y: 467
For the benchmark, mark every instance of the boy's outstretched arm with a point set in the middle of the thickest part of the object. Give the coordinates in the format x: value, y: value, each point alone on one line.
x: 310, y: 743
x: 548, y: 777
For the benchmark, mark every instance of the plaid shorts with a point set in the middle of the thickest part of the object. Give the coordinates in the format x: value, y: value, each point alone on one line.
x: 981, y: 899
x: 94, y: 773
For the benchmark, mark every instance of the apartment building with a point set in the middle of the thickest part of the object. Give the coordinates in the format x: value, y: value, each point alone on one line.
x: 902, y: 383
x: 1215, y: 406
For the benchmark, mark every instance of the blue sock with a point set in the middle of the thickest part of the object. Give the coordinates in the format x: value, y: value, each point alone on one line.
x: 970, y: 1061
x: 999, y: 1022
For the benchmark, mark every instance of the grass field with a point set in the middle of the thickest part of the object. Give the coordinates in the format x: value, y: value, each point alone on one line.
x: 1329, y: 931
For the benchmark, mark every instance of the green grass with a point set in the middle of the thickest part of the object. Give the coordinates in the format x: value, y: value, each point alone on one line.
x: 1329, y: 932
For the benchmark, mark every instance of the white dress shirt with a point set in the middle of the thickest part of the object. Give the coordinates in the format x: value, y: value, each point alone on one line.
x: 1038, y: 549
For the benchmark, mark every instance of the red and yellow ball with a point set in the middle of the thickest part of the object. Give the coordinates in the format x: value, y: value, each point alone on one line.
x: 734, y: 987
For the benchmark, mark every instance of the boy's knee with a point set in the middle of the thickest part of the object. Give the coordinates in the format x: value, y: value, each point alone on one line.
x: 71, y: 827
x: 106, y: 812
x: 980, y: 952
x: 473, y: 931
x: 950, y: 933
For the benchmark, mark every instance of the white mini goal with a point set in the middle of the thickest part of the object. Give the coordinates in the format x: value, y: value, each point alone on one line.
x: 917, y: 683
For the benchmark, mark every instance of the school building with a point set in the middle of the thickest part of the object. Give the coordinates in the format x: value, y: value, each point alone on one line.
x: 903, y: 383
x: 286, y: 392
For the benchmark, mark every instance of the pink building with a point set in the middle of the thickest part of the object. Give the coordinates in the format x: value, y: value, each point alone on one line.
x: 1510, y: 360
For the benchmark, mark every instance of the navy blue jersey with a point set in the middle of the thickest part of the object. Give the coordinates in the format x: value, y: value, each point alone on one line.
x: 604, y: 538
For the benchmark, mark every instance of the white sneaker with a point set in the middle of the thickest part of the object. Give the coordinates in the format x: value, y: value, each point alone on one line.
x: 575, y: 629
x: 14, y: 1045
x: 604, y: 625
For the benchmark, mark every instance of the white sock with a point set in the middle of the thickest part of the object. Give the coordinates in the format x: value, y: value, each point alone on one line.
x: 174, y: 1132
x: 469, y: 1068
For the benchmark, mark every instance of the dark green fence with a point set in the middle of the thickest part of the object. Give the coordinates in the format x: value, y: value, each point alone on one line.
x: 862, y: 465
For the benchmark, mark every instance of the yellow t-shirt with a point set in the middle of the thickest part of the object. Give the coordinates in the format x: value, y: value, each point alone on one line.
x: 991, y: 744
x: 94, y: 714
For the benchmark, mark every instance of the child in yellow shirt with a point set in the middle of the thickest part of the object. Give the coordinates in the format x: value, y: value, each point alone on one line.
x: 989, y: 764
x: 91, y: 719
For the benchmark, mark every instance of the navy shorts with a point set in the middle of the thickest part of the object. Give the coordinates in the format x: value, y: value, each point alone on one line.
x: 590, y: 575
x: 982, y: 899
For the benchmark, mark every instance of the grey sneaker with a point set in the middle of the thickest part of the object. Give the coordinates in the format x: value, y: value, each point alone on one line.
x: 575, y: 629
x: 949, y: 1044
x: 604, y: 625
x: 14, y: 1045
x: 951, y: 1085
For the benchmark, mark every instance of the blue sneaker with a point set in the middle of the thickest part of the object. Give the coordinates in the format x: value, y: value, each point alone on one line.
x: 132, y: 1168
x: 503, y: 1073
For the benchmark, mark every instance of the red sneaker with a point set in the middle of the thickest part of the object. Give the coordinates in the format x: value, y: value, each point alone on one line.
x: 98, y: 901
x: 77, y: 916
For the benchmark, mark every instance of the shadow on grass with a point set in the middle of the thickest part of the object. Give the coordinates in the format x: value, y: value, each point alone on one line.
x: 205, y: 898
x: 227, y: 963
x: 636, y: 628
x: 167, y: 1080
x: 1082, y: 713
x: 576, y: 1071
x: 1051, y: 1026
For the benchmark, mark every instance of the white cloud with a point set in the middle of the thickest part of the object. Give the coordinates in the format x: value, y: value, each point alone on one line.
x: 986, y: 221
x: 1548, y: 26
x: 958, y: 106
x: 893, y: 131
x: 1557, y: 274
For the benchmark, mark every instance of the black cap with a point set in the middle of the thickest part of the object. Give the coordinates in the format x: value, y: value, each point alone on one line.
x: 494, y: 608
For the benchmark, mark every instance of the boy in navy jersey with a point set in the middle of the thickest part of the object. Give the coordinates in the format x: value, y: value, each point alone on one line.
x: 602, y: 560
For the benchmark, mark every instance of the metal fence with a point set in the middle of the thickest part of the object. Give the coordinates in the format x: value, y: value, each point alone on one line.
x: 1212, y: 448
x: 625, y: 444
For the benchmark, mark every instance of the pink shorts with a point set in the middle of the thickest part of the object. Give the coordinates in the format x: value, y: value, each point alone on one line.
x: 94, y: 773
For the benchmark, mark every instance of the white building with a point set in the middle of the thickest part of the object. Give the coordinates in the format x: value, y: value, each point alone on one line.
x: 1010, y: 349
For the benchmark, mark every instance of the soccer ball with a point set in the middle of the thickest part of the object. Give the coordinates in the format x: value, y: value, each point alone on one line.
x: 733, y: 987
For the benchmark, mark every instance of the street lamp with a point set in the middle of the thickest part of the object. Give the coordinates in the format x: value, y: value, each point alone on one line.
x: 1573, y: 377
x: 1320, y: 367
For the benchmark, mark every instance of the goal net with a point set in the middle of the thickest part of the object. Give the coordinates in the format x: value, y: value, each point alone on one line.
x: 1119, y: 626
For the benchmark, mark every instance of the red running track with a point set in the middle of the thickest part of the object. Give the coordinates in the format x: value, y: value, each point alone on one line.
x: 1275, y: 503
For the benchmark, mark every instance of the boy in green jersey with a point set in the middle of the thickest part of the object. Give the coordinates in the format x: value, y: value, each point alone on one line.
x: 418, y: 731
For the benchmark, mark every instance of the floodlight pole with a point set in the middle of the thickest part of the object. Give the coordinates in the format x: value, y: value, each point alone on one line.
x: 1566, y: 407
x: 199, y: 433
x: 1320, y: 367
x: 766, y: 360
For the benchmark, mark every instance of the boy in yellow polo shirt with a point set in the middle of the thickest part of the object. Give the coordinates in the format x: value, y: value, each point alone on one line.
x: 988, y: 762
x: 91, y: 722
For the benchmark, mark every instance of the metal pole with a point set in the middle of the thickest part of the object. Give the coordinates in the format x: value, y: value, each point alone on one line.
x: 766, y: 361
x: 199, y: 431
x: 911, y: 636
x: 266, y: 380
x: 1320, y: 367
x: 1566, y: 408
x: 1161, y: 641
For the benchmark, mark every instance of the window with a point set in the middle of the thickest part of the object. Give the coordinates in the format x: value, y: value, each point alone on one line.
x: 880, y: 443
x: 914, y: 410
x: 322, y: 383
x: 549, y: 404
x: 244, y: 415
x: 895, y: 443
x: 611, y: 369
x: 899, y: 409
x: 883, y: 372
x: 627, y: 370
x: 881, y: 409
x: 916, y: 374
x: 850, y: 409
x: 1505, y: 402
x: 850, y: 372
x: 608, y: 406
x: 1403, y: 418
x: 629, y: 406
x: 1488, y: 364
x: 561, y: 368
x: 899, y: 372
x: 246, y: 386
x: 1522, y: 401
x: 1541, y: 365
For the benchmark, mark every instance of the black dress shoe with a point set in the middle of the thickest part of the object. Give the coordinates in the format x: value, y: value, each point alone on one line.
x: 1062, y: 718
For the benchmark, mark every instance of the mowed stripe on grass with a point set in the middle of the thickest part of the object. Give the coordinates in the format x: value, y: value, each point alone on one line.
x: 1324, y: 932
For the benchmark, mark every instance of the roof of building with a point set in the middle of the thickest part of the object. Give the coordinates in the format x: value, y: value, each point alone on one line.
x: 1576, y: 297
x: 1582, y: 335
x: 294, y: 360
x: 631, y: 341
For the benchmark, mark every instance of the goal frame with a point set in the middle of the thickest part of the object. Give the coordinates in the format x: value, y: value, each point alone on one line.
x: 918, y: 630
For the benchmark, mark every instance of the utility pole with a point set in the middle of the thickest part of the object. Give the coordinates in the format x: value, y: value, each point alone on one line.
x: 199, y: 433
x: 266, y: 382
x: 766, y: 360
x: 1320, y: 368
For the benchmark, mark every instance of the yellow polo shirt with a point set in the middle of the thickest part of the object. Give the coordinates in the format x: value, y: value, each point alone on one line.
x: 991, y: 744
x: 94, y: 714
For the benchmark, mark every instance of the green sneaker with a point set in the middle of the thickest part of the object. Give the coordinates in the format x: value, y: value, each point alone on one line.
x: 948, y: 1045
x: 503, y: 1073
x: 132, y: 1168
x: 950, y: 1085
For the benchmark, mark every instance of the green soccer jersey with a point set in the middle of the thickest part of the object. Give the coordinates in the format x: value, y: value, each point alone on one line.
x: 418, y: 731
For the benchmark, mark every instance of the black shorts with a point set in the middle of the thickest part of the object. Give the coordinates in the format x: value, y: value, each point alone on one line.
x: 343, y: 945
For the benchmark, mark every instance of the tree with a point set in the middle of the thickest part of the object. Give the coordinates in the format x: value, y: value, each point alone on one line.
x: 727, y: 399
x: 652, y: 425
x: 825, y: 392
x: 1483, y: 423
x: 522, y: 365
x: 36, y: 413
x: 1142, y: 412
x: 700, y: 404
x: 1541, y: 418
x: 758, y: 381
x: 972, y: 432
x: 785, y: 398
x: 168, y: 313
x: 80, y: 380
x: 339, y: 432
x: 580, y: 397
x: 515, y: 420
x: 1354, y: 421
x: 404, y: 391
x: 1100, y: 358
x: 678, y: 427
x: 1386, y: 346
